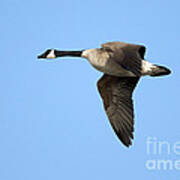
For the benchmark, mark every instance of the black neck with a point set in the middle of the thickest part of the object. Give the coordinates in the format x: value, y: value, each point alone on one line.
x: 68, y: 53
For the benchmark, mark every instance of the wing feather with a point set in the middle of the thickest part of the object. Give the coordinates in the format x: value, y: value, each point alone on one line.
x: 116, y: 93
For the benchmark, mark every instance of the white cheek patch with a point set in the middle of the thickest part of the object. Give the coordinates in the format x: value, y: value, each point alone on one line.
x: 51, y: 55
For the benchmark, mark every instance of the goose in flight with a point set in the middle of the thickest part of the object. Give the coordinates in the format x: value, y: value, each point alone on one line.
x: 123, y: 64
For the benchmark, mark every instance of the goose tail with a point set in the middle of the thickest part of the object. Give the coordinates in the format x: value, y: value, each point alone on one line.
x: 160, y: 71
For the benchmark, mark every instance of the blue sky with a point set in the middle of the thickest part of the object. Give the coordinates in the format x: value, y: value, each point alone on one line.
x: 53, y: 125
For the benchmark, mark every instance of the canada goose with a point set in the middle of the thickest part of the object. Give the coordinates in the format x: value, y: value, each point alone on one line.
x: 122, y: 64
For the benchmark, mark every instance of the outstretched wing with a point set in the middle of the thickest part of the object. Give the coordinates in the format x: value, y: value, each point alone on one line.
x: 129, y: 56
x: 116, y: 93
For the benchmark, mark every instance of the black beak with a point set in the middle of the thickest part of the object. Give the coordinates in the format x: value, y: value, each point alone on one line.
x: 41, y: 56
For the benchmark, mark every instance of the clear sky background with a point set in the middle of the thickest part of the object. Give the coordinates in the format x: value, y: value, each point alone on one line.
x: 52, y: 122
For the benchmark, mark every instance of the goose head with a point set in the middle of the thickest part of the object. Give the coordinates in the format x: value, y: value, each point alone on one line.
x: 53, y: 53
x: 48, y: 54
